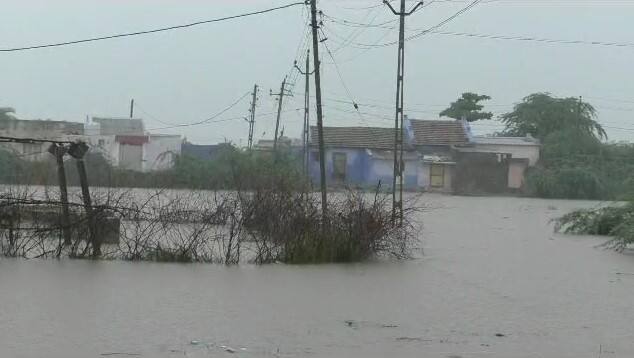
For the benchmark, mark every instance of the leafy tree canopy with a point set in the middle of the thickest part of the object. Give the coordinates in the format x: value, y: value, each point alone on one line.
x: 6, y: 113
x: 540, y: 115
x: 468, y: 107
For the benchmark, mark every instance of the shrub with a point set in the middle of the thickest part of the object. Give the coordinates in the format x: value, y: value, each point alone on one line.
x: 615, y: 221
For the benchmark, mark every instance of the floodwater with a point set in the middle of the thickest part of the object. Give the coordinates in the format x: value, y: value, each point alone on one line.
x: 494, y: 282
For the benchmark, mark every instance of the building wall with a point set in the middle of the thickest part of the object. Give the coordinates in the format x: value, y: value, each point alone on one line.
x: 120, y: 126
x: 481, y: 173
x: 160, y: 152
x: 107, y: 146
x: 37, y: 129
x: 530, y: 152
x: 382, y: 169
x: 516, y: 174
x: 364, y: 170
x: 356, y: 166
x: 424, y: 177
x: 130, y: 157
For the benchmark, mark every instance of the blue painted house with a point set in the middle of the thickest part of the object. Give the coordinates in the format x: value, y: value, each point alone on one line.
x: 361, y: 157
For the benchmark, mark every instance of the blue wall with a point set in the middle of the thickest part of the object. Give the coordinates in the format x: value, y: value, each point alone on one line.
x: 356, y: 169
x: 363, y: 170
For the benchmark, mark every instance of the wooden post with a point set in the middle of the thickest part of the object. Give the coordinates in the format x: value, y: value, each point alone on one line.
x: 77, y: 151
x: 59, y: 151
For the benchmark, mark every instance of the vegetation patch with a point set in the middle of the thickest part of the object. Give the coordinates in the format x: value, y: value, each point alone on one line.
x: 614, y: 221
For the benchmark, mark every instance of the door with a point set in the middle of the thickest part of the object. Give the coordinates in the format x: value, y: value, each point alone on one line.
x: 340, y: 162
x: 437, y: 175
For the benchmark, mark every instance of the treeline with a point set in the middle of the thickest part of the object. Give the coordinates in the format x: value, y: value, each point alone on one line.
x: 577, y: 161
x: 231, y: 168
x: 578, y: 166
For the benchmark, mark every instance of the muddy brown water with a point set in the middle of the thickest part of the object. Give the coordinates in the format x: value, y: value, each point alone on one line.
x: 494, y: 282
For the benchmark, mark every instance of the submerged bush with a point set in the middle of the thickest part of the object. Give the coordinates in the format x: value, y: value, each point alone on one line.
x: 615, y: 221
x: 565, y: 183
x: 288, y: 227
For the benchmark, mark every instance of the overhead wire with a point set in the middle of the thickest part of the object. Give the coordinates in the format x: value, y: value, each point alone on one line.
x: 343, y: 82
x: 145, y: 32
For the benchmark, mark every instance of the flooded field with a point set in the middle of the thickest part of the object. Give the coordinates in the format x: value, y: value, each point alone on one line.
x: 494, y: 281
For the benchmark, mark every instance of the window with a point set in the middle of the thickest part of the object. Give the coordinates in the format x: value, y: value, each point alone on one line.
x: 339, y: 163
x: 437, y: 175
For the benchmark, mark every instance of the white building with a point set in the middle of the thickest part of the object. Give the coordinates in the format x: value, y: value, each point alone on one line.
x: 160, y: 151
x: 521, y: 152
x: 37, y: 129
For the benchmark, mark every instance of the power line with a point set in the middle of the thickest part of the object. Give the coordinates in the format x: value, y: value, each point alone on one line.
x: 343, y: 83
x: 137, y: 33
x: 212, y: 118
x: 534, y: 39
x: 377, y: 44
x: 526, y: 38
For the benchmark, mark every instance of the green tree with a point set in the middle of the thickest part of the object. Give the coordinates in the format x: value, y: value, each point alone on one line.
x: 540, y: 115
x: 468, y: 107
x: 6, y: 113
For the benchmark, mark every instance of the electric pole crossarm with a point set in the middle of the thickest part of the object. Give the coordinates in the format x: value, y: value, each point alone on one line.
x: 302, y: 72
x: 403, y: 13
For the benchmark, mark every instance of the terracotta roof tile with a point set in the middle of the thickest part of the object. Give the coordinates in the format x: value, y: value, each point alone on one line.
x: 355, y: 137
x: 438, y: 132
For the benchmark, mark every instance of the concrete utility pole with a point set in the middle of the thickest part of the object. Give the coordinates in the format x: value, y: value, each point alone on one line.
x: 59, y: 151
x: 279, y: 113
x: 306, y: 135
x: 397, y: 182
x: 320, y: 123
x: 252, y: 116
x: 132, y: 108
x: 78, y: 151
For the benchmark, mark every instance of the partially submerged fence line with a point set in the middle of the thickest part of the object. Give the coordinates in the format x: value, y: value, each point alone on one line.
x: 262, y: 226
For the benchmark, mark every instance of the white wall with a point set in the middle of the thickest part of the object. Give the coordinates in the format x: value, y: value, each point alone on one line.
x: 159, y: 152
x: 516, y: 175
x: 530, y: 152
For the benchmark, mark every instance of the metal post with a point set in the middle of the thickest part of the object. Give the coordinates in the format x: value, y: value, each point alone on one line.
x: 279, y: 114
x: 252, y: 116
x: 397, y: 180
x: 306, y: 133
x: 132, y: 108
x: 307, y: 114
x: 320, y: 124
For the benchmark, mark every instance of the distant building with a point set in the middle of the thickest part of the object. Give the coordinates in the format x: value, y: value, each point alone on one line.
x: 266, y: 145
x: 203, y: 151
x: 496, y: 164
x: 440, y: 155
x: 37, y: 129
x: 119, y: 140
x: 360, y: 156
x: 119, y: 126
x: 435, y: 140
x: 160, y: 151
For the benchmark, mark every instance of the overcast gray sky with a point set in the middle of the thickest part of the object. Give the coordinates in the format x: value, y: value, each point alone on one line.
x: 186, y: 76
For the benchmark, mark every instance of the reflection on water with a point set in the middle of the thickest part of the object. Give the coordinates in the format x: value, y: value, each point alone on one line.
x: 494, y: 282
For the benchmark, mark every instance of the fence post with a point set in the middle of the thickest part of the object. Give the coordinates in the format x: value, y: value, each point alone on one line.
x: 78, y: 151
x: 59, y: 151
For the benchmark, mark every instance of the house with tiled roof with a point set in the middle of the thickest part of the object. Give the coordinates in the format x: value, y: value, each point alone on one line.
x: 436, y: 141
x: 362, y: 157
x: 440, y: 155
